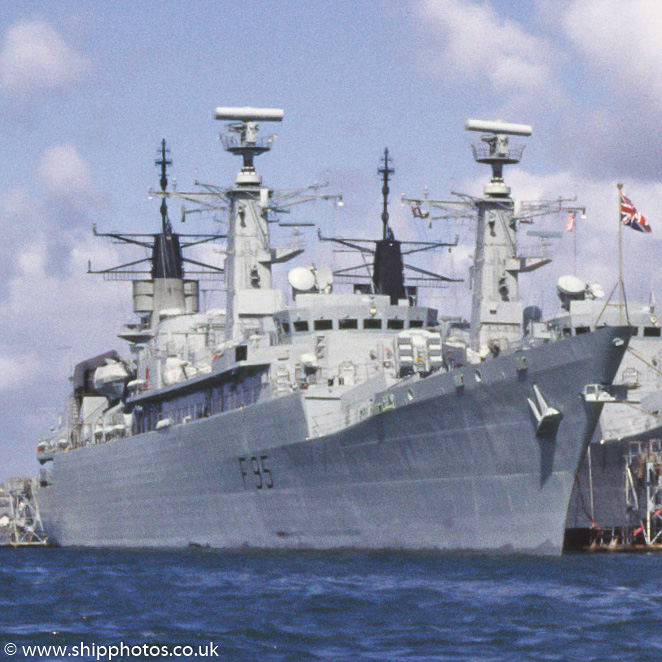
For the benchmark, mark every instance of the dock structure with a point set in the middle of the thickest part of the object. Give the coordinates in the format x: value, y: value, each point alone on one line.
x: 640, y: 529
x: 4, y: 517
x: 643, y: 494
x: 20, y: 521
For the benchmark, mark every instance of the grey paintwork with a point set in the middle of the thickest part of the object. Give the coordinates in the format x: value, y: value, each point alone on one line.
x: 452, y: 468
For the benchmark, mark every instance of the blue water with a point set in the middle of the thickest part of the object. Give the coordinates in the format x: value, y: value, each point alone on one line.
x: 341, y: 606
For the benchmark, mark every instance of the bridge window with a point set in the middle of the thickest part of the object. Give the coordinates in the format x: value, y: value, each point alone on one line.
x: 651, y: 332
x: 396, y: 325
x: 323, y: 325
x: 348, y: 324
x: 301, y: 326
x: 415, y: 324
x: 372, y: 323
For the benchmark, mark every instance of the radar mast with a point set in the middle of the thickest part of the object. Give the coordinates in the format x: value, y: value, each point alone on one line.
x: 251, y: 298
x: 496, y: 308
x: 246, y: 208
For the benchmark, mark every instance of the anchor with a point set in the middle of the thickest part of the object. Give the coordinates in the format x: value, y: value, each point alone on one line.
x: 547, y: 418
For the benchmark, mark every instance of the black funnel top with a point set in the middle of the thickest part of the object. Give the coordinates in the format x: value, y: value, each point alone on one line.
x: 167, y: 256
x: 388, y: 272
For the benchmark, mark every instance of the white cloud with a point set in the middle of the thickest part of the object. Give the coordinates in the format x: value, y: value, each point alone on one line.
x: 63, y: 170
x: 16, y: 370
x: 588, y: 71
x: 48, y: 300
x: 472, y: 43
x: 51, y: 319
x: 34, y: 58
x: 48, y: 310
x: 617, y: 65
x: 32, y: 260
x: 622, y: 40
x: 18, y: 209
x: 15, y: 203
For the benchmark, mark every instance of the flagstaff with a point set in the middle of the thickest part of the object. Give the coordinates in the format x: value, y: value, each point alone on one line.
x: 628, y: 215
x: 620, y: 253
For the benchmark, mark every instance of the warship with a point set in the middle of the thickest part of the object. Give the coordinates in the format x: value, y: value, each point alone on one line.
x: 344, y: 420
x: 599, y: 499
x: 602, y: 502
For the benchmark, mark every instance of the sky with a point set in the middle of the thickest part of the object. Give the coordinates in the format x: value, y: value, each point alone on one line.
x: 88, y: 90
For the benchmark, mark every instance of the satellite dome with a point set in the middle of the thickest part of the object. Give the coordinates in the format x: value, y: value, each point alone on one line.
x: 596, y: 290
x: 571, y: 286
x: 301, y: 279
x: 309, y: 360
x: 324, y: 279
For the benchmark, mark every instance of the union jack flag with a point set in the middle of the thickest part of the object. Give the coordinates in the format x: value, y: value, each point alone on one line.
x: 631, y: 217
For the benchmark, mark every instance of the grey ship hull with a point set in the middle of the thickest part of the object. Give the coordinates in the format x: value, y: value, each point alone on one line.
x: 456, y: 467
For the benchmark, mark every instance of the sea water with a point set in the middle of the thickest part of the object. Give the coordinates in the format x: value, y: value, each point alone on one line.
x: 65, y: 604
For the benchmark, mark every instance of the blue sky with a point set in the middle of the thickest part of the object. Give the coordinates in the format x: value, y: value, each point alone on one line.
x: 88, y: 90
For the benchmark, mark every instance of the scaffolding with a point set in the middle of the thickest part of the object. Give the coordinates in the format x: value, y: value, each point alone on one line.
x: 25, y: 525
x: 643, y: 493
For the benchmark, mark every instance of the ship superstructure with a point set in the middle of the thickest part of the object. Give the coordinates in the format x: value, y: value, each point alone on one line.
x: 344, y: 420
x: 636, y: 411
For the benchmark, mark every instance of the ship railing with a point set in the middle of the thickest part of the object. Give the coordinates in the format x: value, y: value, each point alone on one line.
x: 362, y: 373
x: 333, y: 421
x: 242, y: 397
x: 79, y: 436
x: 100, y: 427
x: 206, y: 276
x: 295, y: 242
x: 327, y: 423
x: 535, y: 249
x: 421, y: 282
x: 126, y: 275
x: 188, y: 413
x: 512, y: 153
x: 236, y: 142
